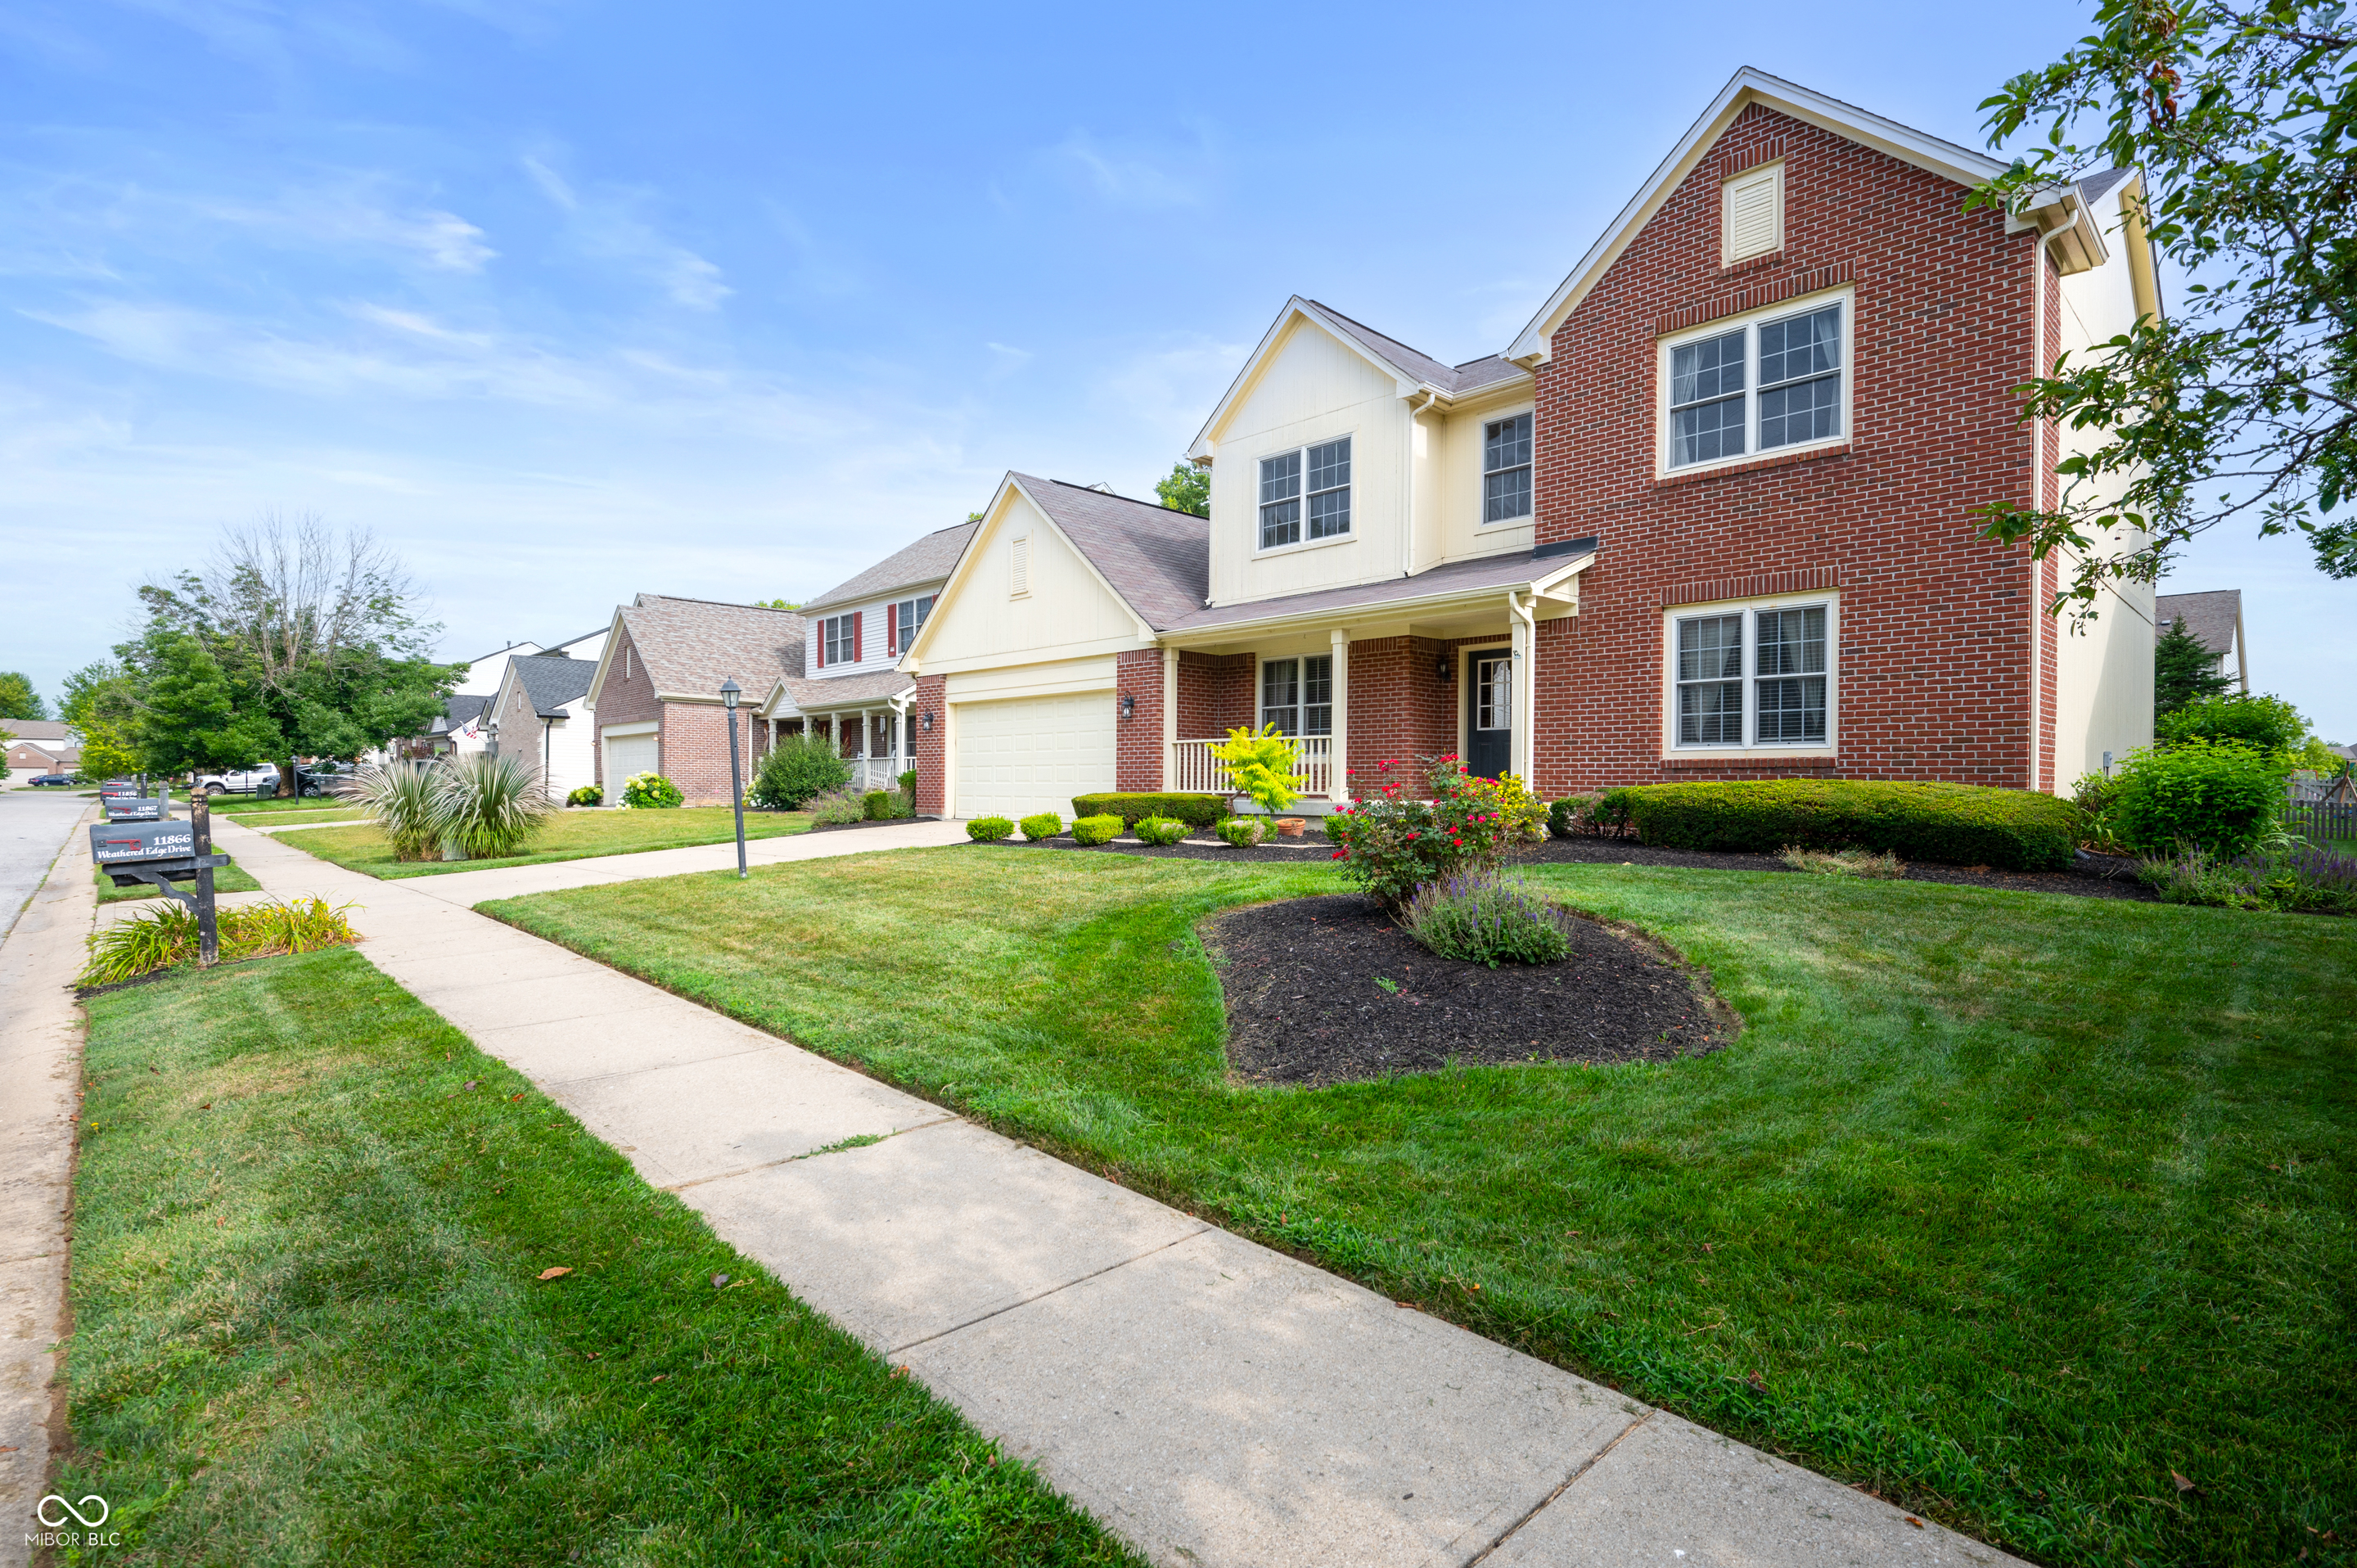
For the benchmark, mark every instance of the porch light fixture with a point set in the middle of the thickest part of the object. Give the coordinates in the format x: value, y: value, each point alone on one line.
x: 929, y: 721
x: 729, y: 692
x: 1128, y: 705
x: 1440, y: 667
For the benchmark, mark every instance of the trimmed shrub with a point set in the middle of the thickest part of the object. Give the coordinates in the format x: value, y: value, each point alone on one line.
x: 1484, y: 916
x: 2269, y: 723
x: 1161, y: 830
x: 1243, y: 832
x: 587, y: 795
x: 908, y: 782
x: 2215, y: 797
x: 1097, y: 830
x: 1045, y: 825
x: 885, y: 806
x: 1195, y: 811
x: 650, y: 792
x: 798, y: 770
x: 1963, y: 824
x: 989, y: 830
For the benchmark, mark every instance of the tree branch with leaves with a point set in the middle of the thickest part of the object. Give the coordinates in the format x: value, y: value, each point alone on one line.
x: 2241, y: 404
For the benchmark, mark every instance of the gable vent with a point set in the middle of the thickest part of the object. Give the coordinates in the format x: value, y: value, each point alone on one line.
x: 1754, y: 206
x: 1018, y: 566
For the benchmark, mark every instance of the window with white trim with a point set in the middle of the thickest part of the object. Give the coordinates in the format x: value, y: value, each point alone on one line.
x: 1755, y: 676
x: 1506, y: 468
x: 1296, y: 695
x: 1752, y: 215
x: 839, y: 639
x: 1762, y: 385
x: 907, y: 620
x: 1320, y: 475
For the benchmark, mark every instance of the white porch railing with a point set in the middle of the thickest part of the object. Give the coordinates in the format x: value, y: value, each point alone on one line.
x: 1194, y: 770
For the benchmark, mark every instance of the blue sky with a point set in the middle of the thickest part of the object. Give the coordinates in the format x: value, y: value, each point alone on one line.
x: 569, y: 301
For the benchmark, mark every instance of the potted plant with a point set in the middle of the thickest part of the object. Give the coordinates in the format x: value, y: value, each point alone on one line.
x: 1262, y: 765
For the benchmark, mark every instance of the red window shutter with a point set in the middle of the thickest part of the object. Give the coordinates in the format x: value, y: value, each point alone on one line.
x: 891, y: 631
x: 856, y: 616
x: 822, y: 645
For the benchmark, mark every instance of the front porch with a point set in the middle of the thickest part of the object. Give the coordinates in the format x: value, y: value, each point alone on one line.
x: 875, y: 741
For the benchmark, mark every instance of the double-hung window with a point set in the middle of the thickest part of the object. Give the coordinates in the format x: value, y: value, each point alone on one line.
x: 1319, y: 476
x: 908, y: 619
x: 1296, y: 695
x: 1769, y: 384
x: 1506, y: 468
x: 1752, y: 677
x: 839, y: 639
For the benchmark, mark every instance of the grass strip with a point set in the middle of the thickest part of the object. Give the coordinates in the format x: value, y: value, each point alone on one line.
x: 229, y: 878
x: 311, y: 1324
x: 575, y: 835
x: 2004, y: 1205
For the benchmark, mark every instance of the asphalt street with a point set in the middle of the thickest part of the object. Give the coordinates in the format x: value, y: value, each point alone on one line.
x: 33, y: 825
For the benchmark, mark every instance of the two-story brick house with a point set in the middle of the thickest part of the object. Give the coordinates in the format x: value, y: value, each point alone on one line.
x: 655, y: 698
x: 1713, y: 514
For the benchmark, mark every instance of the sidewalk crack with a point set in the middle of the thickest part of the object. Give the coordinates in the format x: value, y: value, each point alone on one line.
x: 1584, y: 1467
x: 808, y: 1155
x: 1051, y: 1290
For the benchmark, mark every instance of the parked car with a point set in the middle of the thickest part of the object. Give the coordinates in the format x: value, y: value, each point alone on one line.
x: 321, y: 777
x: 262, y: 780
x: 54, y: 780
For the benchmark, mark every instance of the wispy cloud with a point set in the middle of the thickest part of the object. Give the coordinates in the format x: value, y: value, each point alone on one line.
x: 1134, y: 174
x: 607, y: 224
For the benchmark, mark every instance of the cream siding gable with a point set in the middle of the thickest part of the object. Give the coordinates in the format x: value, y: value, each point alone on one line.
x: 1310, y: 387
x: 1067, y: 611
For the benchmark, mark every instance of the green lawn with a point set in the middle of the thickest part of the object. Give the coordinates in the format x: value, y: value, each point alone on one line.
x: 572, y: 836
x: 258, y: 805
x: 308, y: 1325
x: 316, y: 813
x: 2013, y: 1203
x: 231, y: 878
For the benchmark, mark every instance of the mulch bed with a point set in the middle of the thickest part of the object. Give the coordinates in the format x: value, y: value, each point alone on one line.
x: 1306, y: 1006
x: 886, y: 822
x: 2092, y: 876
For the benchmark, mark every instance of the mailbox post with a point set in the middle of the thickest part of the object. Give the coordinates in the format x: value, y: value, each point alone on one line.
x: 200, y: 823
x: 161, y: 854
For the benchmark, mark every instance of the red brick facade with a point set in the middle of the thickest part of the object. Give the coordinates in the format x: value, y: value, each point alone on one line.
x: 696, y: 750
x: 626, y: 697
x: 927, y: 743
x: 1215, y: 693
x: 1137, y: 735
x: 1937, y: 628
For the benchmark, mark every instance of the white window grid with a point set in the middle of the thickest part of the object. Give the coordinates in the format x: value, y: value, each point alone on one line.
x: 1752, y: 675
x: 1318, y: 475
x: 1506, y: 468
x: 1774, y: 383
x: 842, y: 643
x: 908, y: 619
x: 1296, y: 695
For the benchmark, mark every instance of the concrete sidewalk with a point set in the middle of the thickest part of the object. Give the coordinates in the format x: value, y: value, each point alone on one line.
x: 41, y: 1084
x: 1213, y: 1401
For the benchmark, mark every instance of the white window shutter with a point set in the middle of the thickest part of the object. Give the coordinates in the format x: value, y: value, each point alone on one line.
x: 1755, y: 214
x: 1019, y: 557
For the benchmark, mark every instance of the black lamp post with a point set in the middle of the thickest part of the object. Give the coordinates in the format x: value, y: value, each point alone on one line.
x: 492, y: 741
x: 729, y: 692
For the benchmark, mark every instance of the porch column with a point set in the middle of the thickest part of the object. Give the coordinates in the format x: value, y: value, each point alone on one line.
x: 866, y: 744
x: 1338, y: 767
x: 1170, y: 715
x: 1520, y: 749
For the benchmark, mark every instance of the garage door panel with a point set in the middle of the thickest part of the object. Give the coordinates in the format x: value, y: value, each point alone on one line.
x: 1033, y: 753
x: 627, y: 755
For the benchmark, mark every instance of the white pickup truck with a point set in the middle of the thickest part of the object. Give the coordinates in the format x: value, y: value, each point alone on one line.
x: 262, y: 780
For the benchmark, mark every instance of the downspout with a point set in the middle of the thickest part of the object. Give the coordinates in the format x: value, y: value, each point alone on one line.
x: 2039, y: 367
x: 1408, y: 498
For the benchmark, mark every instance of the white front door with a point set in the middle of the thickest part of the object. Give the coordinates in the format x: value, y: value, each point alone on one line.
x: 1033, y: 753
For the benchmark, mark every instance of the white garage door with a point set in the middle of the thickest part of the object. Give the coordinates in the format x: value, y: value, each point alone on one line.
x: 1033, y: 754
x: 626, y: 755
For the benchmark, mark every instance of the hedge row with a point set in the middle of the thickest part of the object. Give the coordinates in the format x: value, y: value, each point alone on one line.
x: 2013, y: 829
x: 1195, y: 811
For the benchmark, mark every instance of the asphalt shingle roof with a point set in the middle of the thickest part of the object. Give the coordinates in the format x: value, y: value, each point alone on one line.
x: 36, y: 730
x: 551, y: 680
x: 690, y: 646
x: 1472, y: 375
x: 2095, y: 185
x: 458, y: 711
x: 927, y: 561
x: 818, y: 693
x: 1456, y: 577
x: 1157, y: 559
x: 2210, y: 618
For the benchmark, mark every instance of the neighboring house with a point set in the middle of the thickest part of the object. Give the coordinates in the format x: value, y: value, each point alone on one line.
x: 1714, y: 514
x: 457, y: 727
x: 847, y: 681
x: 42, y: 746
x: 541, y: 712
x: 655, y: 694
x: 463, y: 726
x: 485, y: 674
x: 2214, y: 620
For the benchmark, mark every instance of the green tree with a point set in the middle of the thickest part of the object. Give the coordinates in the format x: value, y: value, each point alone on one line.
x: 2182, y: 670
x: 190, y: 721
x: 318, y: 633
x: 1186, y: 488
x: 2243, y: 401
x: 17, y: 698
x: 2269, y: 723
x: 777, y: 604
x: 100, y: 702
